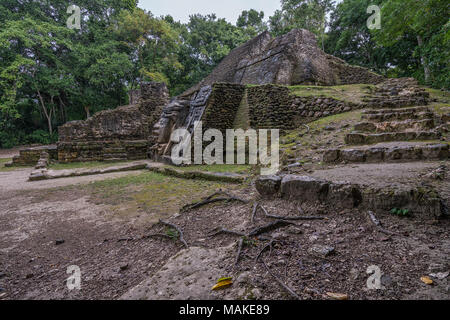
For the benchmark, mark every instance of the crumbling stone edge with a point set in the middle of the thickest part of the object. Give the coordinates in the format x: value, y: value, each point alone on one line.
x: 342, y: 195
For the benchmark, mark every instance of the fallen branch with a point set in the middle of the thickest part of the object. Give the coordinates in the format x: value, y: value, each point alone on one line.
x: 180, y: 233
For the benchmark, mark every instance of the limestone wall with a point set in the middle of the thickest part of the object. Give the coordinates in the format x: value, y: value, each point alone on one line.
x: 119, y: 134
x: 30, y: 156
x: 272, y: 106
x: 222, y: 106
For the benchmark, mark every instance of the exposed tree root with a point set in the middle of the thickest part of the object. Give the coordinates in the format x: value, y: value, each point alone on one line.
x: 223, y: 230
x: 210, y: 199
x: 269, y: 227
x: 180, y: 233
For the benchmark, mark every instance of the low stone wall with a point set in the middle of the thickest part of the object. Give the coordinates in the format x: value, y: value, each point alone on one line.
x: 348, y: 74
x: 112, y: 135
x: 116, y: 150
x: 30, y: 156
x: 342, y: 195
x: 309, y: 109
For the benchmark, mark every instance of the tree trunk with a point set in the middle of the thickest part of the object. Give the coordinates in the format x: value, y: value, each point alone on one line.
x: 426, y: 68
x: 46, y: 113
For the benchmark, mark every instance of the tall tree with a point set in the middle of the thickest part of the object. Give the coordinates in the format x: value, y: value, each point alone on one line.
x: 428, y: 22
x: 302, y: 14
x: 252, y: 22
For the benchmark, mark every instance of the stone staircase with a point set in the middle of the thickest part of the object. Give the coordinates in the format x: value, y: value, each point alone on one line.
x: 398, y: 93
x: 387, y: 135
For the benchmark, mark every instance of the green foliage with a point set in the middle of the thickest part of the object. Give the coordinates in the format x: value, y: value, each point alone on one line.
x: 301, y: 14
x: 50, y: 74
x: 427, y: 24
x: 400, y: 212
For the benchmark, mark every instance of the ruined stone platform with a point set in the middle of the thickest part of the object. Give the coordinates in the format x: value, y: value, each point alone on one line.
x: 376, y: 187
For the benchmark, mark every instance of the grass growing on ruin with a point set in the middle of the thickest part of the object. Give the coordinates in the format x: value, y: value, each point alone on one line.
x: 441, y: 96
x: 152, y: 193
x: 352, y: 93
x: 85, y: 165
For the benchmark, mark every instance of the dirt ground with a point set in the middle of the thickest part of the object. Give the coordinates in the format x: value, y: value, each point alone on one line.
x: 47, y: 226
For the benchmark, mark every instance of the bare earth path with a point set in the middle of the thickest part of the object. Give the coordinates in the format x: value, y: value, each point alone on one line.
x: 48, y: 226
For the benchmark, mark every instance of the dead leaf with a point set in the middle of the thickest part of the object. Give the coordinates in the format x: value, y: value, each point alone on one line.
x: 337, y: 296
x: 223, y: 283
x: 427, y: 280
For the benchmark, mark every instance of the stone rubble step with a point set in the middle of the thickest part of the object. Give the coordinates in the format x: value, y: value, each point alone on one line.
x: 362, y: 138
x: 382, y: 117
x: 395, y: 126
x: 347, y: 195
x: 388, y: 154
x: 399, y: 110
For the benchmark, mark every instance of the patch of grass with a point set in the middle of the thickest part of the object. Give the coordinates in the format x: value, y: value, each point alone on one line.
x: 7, y: 169
x: 441, y: 108
x: 354, y: 116
x: 351, y: 93
x: 158, y: 195
x: 441, y: 96
x: 85, y: 165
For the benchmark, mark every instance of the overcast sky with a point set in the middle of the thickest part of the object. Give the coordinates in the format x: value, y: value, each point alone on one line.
x: 228, y: 9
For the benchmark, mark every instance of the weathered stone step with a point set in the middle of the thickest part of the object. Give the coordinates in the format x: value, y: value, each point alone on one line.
x: 398, y: 110
x: 395, y: 126
x: 362, y: 138
x: 397, y: 116
x: 388, y: 154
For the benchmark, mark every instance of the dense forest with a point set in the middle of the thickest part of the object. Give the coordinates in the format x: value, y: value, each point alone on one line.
x: 50, y: 74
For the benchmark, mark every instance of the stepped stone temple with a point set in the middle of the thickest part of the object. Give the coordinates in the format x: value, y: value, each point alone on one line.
x: 248, y: 89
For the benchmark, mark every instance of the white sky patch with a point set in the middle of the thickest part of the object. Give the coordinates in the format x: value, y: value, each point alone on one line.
x: 180, y: 10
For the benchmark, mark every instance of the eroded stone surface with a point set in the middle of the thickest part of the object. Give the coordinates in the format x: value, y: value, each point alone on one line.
x: 189, y: 275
